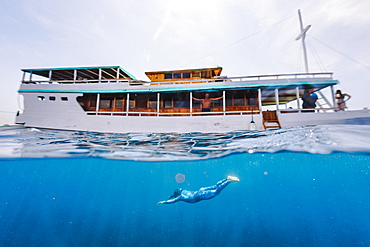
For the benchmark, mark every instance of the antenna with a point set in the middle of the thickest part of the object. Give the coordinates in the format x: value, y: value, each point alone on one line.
x: 302, y: 36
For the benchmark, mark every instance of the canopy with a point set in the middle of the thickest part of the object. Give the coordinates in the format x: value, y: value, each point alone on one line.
x: 88, y: 73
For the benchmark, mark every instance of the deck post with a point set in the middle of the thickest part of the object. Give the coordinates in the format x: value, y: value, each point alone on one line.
x: 100, y: 75
x: 158, y: 100
x: 31, y: 76
x: 224, y: 101
x: 75, y: 76
x: 50, y: 74
x: 97, y: 103
x: 24, y: 76
x: 117, y: 74
x: 191, y: 103
x: 127, y: 103
x: 333, y: 95
x: 298, y: 102
x: 277, y: 99
x: 259, y: 99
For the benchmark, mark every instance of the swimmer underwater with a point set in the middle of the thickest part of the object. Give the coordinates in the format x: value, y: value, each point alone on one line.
x: 205, y: 193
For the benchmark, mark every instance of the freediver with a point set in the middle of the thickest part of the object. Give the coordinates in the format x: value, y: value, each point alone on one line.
x: 205, y: 193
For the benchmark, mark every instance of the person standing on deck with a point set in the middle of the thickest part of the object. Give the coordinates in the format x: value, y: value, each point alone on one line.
x: 206, y: 102
x: 309, y: 99
x: 341, y: 103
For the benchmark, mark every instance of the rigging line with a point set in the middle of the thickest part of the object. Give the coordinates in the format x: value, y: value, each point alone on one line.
x: 343, y: 54
x: 316, y: 56
x: 238, y: 41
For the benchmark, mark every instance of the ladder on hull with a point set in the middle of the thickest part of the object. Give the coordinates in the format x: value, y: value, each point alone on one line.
x: 270, y: 120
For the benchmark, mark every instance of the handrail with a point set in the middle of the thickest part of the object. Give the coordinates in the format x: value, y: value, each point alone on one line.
x: 218, y: 79
x: 249, y: 112
x: 104, y: 113
x: 74, y: 81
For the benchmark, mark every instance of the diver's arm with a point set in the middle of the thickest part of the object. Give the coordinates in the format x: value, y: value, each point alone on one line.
x: 170, y: 201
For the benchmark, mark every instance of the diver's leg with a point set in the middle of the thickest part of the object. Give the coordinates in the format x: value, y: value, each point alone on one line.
x: 222, y: 183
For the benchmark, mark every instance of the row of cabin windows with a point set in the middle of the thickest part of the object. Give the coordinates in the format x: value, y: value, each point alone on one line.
x: 188, y: 75
x: 167, y: 100
x: 51, y: 98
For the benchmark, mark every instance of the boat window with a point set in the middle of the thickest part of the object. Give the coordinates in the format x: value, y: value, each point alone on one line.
x: 241, y: 97
x: 175, y: 100
x: 177, y: 75
x: 186, y: 75
x: 41, y: 98
x: 64, y: 98
x: 152, y: 100
x: 141, y: 102
x: 106, y: 103
x: 52, y: 98
x: 196, y: 74
x: 112, y: 102
x: 120, y: 102
x: 181, y: 100
x: 205, y: 74
x: 167, y: 100
x: 144, y: 100
x: 167, y: 76
x: 87, y: 101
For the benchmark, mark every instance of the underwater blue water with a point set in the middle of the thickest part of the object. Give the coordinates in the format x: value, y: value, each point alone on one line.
x: 90, y: 196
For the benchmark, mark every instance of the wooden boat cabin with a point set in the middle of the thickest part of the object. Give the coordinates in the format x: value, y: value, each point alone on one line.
x: 163, y: 97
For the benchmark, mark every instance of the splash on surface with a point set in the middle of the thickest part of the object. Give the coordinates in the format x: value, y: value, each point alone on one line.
x: 31, y: 142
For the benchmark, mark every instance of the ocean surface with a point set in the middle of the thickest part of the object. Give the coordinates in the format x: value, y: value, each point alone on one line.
x: 306, y: 186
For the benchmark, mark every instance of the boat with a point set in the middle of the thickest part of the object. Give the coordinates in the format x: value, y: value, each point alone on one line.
x: 110, y: 99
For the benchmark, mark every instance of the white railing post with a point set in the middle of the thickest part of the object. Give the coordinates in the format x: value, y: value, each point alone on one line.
x: 97, y: 103
x: 191, y: 103
x: 298, y: 101
x: 224, y: 101
x: 127, y: 103
x: 74, y: 76
x: 260, y: 99
x: 277, y: 99
x: 158, y: 100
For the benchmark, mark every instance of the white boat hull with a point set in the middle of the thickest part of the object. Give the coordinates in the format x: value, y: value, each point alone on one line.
x: 69, y: 115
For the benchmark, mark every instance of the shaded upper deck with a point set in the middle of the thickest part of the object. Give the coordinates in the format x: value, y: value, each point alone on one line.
x: 79, y: 73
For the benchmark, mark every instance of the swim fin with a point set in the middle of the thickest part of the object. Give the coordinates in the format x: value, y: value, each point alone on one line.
x: 233, y: 179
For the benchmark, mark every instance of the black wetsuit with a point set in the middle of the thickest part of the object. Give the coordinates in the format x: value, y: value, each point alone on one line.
x: 205, y: 193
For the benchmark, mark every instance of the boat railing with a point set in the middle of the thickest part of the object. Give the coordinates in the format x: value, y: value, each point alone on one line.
x: 219, y: 79
x: 248, y: 112
x: 327, y: 75
x: 74, y: 81
x: 141, y: 113
x: 307, y: 110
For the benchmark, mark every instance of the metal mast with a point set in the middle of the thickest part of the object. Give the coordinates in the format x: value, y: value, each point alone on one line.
x: 302, y: 36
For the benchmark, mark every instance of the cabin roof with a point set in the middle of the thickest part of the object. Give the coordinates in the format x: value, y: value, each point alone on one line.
x: 67, y: 73
x: 182, y: 70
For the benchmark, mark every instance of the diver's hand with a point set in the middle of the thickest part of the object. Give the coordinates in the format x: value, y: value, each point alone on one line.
x: 160, y: 203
